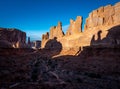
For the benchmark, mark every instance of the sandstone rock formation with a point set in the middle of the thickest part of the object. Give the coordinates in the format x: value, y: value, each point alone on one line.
x: 75, y: 26
x: 45, y: 38
x: 5, y: 44
x: 29, y: 42
x: 108, y: 15
x: 12, y: 37
x: 103, y: 19
x: 37, y: 44
x: 56, y: 31
x: 97, y: 27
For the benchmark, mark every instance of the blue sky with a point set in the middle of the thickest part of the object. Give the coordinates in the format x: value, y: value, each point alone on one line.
x: 35, y: 17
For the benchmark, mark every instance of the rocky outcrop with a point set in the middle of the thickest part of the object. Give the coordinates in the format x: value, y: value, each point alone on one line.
x: 75, y: 26
x: 5, y: 44
x: 103, y: 20
x: 108, y: 15
x: 12, y: 37
x: 97, y: 28
x: 56, y: 31
x: 29, y: 43
x: 37, y: 44
x: 45, y: 38
x: 117, y: 13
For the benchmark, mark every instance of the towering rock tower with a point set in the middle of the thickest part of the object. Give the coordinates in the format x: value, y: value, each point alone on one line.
x: 75, y: 26
x: 45, y: 38
x: 29, y: 43
x: 56, y: 31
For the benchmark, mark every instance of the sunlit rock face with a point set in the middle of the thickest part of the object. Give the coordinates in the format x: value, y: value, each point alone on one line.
x: 102, y: 27
x: 75, y: 26
x: 100, y: 23
x: 56, y: 31
x: 107, y: 15
x: 45, y: 38
x: 12, y: 37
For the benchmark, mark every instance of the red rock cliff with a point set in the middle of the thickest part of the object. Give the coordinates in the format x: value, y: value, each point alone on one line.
x: 12, y: 38
x: 100, y: 27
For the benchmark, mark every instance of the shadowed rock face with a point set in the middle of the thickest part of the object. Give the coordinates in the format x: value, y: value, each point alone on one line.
x: 12, y: 37
x: 111, y: 39
x: 5, y: 44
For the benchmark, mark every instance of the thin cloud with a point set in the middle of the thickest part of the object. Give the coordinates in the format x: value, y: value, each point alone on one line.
x: 65, y: 27
x: 34, y: 35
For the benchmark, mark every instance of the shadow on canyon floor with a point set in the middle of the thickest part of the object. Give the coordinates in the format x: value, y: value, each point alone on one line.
x: 98, y: 61
x: 53, y: 46
x: 106, y: 49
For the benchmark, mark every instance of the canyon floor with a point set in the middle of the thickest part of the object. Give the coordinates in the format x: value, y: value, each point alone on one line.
x: 94, y: 67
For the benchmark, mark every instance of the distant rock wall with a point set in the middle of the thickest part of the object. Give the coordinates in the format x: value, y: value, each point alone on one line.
x: 12, y: 38
x: 99, y: 24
